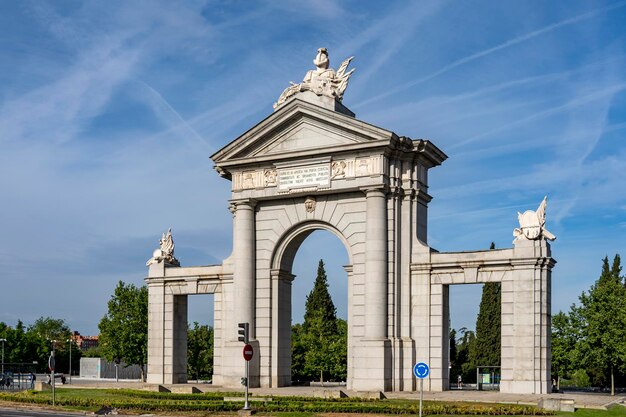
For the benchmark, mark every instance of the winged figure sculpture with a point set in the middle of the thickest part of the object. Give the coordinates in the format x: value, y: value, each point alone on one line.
x: 533, y: 224
x: 323, y: 81
x: 165, y: 251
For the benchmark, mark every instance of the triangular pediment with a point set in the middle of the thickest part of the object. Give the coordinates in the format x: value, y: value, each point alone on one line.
x: 307, y: 135
x: 301, y: 129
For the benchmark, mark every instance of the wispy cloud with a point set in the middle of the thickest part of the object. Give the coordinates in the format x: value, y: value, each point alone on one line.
x: 382, y: 42
x: 603, y: 95
x: 507, y: 44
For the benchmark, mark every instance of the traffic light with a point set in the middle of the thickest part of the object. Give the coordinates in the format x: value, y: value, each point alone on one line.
x: 244, y: 332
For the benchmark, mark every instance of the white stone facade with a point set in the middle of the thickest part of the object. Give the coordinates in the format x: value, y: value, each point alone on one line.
x: 309, y: 166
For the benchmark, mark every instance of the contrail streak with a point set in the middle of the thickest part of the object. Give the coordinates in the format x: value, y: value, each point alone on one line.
x: 510, y: 42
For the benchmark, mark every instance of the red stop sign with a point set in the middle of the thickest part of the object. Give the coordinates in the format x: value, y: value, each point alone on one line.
x: 247, y: 352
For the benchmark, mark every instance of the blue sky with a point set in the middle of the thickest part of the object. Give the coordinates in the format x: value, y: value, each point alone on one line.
x: 109, y: 112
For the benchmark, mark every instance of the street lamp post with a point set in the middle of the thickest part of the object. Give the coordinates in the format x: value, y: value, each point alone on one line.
x: 52, y: 371
x: 70, y: 340
x: 3, y: 340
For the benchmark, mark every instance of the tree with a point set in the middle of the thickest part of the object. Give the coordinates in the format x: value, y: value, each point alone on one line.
x: 464, y: 366
x: 319, y: 303
x: 485, y: 349
x: 453, y: 350
x: 563, y: 339
x: 319, y: 344
x: 298, y: 353
x: 124, y: 329
x: 602, y: 319
x: 48, y: 329
x: 33, y: 345
x: 51, y: 329
x: 92, y: 352
x: 200, y: 351
x: 457, y: 356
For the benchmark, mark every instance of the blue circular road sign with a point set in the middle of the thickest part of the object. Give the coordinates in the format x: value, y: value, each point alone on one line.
x: 421, y: 370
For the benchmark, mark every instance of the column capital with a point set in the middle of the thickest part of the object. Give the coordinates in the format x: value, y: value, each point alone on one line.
x: 281, y: 274
x: 380, y: 191
x: 248, y: 204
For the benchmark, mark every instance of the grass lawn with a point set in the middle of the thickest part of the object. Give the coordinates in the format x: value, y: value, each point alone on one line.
x: 137, y: 402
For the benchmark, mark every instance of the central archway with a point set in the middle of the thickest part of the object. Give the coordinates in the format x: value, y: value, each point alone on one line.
x: 281, y: 272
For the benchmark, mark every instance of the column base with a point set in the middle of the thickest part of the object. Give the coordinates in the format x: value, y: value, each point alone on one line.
x: 525, y: 387
x: 234, y: 366
x: 372, y: 365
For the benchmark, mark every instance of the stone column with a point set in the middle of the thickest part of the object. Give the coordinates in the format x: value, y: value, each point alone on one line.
x: 156, y: 337
x: 350, y: 348
x: 241, y: 299
x: 373, y: 370
x: 281, y: 328
x: 245, y: 262
x: 526, y: 320
x: 439, y: 338
x: 376, y: 265
x: 178, y: 351
x: 420, y: 317
x: 167, y: 334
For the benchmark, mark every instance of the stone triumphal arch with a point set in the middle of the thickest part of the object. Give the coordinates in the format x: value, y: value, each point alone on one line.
x: 312, y: 165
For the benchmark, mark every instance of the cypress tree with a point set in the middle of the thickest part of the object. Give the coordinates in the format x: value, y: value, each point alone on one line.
x: 319, y: 345
x: 319, y: 304
x: 487, y: 345
x: 616, y: 268
x: 486, y: 348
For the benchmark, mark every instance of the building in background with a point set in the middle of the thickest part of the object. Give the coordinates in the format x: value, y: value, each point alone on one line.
x: 84, y: 342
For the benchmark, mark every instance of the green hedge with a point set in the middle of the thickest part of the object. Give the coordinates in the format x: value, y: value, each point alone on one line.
x: 214, y: 402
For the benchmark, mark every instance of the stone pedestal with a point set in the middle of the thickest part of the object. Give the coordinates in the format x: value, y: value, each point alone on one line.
x: 372, y: 365
x: 526, y: 320
x: 234, y: 366
x: 167, y: 336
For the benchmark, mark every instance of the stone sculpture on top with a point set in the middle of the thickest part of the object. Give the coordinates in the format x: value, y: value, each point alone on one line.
x: 323, y: 81
x: 165, y: 252
x: 532, y: 224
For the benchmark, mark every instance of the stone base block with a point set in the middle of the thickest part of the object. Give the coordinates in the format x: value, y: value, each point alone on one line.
x: 42, y: 386
x: 372, y: 365
x: 329, y: 393
x: 155, y: 388
x: 371, y: 395
x: 185, y: 389
x: 524, y: 387
x: 558, y: 404
x: 234, y: 366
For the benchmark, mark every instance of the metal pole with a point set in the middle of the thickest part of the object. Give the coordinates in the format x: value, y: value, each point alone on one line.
x: 421, y: 394
x: 52, y: 372
x: 116, y: 375
x: 70, y: 359
x: 3, y: 340
x: 247, y: 405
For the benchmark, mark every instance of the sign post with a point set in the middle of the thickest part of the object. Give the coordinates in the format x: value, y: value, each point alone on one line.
x: 51, y: 366
x: 421, y: 371
x: 248, y: 352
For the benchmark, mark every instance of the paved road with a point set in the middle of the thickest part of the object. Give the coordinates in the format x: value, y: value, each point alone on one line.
x: 21, y: 412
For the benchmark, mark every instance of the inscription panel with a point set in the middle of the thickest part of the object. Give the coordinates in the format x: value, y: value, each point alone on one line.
x: 304, y: 177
